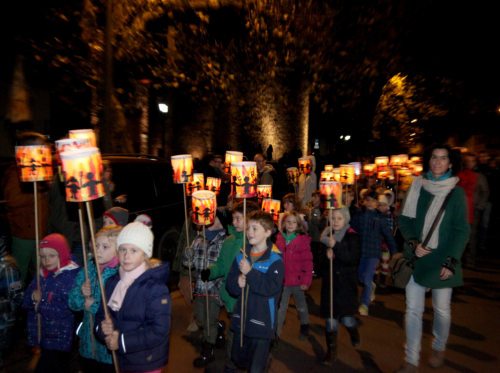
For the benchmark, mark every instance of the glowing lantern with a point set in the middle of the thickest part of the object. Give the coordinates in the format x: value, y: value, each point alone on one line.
x: 292, y: 174
x: 347, y: 175
x: 417, y: 169
x: 305, y: 165
x: 357, y: 168
x: 244, y: 179
x: 331, y: 191
x: 183, y: 168
x: 86, y: 134
x: 272, y: 206
x: 381, y: 162
x: 68, y: 145
x: 416, y: 159
x: 404, y: 171
x: 399, y: 160
x: 196, y: 184
x: 327, y: 176
x: 264, y: 191
x: 383, y: 174
x: 34, y: 162
x: 369, y: 169
x: 329, y: 167
x: 82, y: 173
x: 232, y: 156
x: 213, y: 184
x: 204, y: 206
x: 336, y: 174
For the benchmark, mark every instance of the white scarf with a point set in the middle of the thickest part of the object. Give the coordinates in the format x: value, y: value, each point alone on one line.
x: 439, y: 189
x: 126, y: 279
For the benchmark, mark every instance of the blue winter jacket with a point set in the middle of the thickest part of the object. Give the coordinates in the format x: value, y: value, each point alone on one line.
x: 143, y: 321
x: 57, y: 318
x: 264, y: 285
x: 90, y: 347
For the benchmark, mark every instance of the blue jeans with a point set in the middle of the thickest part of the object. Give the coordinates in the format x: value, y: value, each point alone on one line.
x: 347, y: 321
x: 300, y: 305
x: 366, y: 271
x: 415, y: 303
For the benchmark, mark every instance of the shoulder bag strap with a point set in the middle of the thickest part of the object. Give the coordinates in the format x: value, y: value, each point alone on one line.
x: 436, y: 220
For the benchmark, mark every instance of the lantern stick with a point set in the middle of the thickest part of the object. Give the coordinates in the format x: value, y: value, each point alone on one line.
x: 188, y: 245
x: 244, y: 251
x: 206, y: 283
x: 104, y: 302
x: 330, y: 217
x: 37, y: 253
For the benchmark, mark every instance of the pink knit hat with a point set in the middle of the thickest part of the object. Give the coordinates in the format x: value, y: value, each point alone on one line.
x: 58, y: 243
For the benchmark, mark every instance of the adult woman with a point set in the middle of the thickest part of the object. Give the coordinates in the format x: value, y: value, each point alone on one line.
x: 437, y: 266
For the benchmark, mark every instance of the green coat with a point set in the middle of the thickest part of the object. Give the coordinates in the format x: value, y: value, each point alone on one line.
x: 453, y: 236
x: 230, y: 248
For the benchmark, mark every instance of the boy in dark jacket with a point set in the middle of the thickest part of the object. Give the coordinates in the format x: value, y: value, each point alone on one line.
x: 257, y: 277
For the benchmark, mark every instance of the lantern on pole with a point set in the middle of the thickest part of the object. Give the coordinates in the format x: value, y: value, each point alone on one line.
x: 417, y: 169
x: 244, y: 179
x: 34, y: 163
x: 357, y: 168
x: 292, y: 174
x: 399, y: 160
x: 272, y: 206
x: 331, y: 191
x: 329, y: 167
x: 68, y: 145
x: 383, y: 174
x: 347, y: 174
x: 381, y: 162
x: 213, y: 184
x: 327, y: 176
x: 87, y: 134
x: 196, y: 184
x: 264, y: 191
x: 416, y: 159
x: 369, y: 169
x: 183, y: 168
x: 231, y: 157
x: 336, y: 174
x: 204, y: 207
x: 305, y: 165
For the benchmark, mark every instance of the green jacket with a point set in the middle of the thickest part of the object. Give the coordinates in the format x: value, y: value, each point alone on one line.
x: 453, y: 236
x: 230, y: 248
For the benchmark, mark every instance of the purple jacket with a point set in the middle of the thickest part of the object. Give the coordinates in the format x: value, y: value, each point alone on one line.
x: 298, y: 259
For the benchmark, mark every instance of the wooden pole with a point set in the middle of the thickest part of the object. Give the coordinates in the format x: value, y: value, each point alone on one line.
x: 330, y: 215
x: 37, y: 253
x: 187, y: 223
x: 206, y: 283
x: 242, y: 313
x: 104, y: 302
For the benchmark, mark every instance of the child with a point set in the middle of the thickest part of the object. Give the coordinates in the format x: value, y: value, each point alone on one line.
x: 382, y: 272
x: 316, y: 224
x: 139, y: 305
x: 372, y: 228
x: 230, y: 248
x: 260, y: 273
x: 50, y: 305
x: 290, y: 203
x: 86, y: 296
x: 297, y: 257
x: 344, y: 249
x: 115, y: 216
x: 205, y: 251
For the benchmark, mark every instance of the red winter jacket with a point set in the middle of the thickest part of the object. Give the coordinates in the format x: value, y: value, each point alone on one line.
x: 297, y: 257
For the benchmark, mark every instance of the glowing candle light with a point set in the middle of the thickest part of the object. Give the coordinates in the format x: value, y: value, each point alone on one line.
x: 381, y: 162
x: 244, y: 179
x: 357, y: 168
x: 369, y: 169
x: 232, y: 156
x: 204, y: 207
x: 329, y: 167
x: 183, y: 168
x: 347, y: 174
x: 34, y: 162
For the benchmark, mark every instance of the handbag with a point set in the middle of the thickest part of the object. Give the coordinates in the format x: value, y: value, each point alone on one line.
x: 401, y: 267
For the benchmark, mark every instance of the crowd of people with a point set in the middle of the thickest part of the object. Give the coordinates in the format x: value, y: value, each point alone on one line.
x: 247, y: 264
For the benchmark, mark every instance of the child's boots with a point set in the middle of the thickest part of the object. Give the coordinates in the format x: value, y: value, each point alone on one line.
x: 221, y: 339
x: 354, y: 334
x: 331, y: 348
x: 206, y: 356
x: 304, y: 331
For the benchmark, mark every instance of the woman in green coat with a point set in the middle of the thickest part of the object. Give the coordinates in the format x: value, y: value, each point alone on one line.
x: 437, y: 266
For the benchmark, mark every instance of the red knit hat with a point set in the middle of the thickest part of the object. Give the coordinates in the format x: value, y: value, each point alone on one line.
x: 58, y: 243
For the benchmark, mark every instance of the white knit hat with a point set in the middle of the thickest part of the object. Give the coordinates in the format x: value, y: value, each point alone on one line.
x: 137, y: 234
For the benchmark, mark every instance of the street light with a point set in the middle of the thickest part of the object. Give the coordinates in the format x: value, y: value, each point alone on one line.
x: 163, y: 107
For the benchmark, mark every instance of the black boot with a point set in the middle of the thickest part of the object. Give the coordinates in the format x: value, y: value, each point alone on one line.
x: 220, y: 341
x: 354, y: 333
x: 206, y: 356
x: 331, y: 348
x: 304, y: 331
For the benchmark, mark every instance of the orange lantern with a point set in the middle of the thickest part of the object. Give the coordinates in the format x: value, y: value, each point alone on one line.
x: 232, y: 156
x: 264, y: 191
x: 305, y: 165
x: 369, y: 169
x: 272, y: 206
x: 196, y: 184
x: 82, y: 173
x: 331, y: 191
x: 399, y: 160
x: 383, y: 174
x: 183, y: 168
x: 213, y: 184
x: 347, y: 174
x: 244, y: 179
x: 417, y: 169
x: 336, y: 174
x: 292, y: 174
x: 87, y: 134
x: 416, y: 159
x: 204, y: 206
x: 327, y: 176
x: 404, y: 171
x: 329, y: 167
x: 357, y: 168
x: 68, y: 145
x: 34, y: 162
x: 381, y: 162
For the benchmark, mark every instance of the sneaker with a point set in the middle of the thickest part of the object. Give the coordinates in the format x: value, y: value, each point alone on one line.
x: 363, y: 310
x: 372, y: 294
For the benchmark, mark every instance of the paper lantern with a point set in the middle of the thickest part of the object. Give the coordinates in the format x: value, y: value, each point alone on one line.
x: 292, y: 174
x: 34, y: 162
x: 264, y: 191
x: 244, y: 179
x: 357, y: 168
x: 417, y: 169
x: 416, y: 159
x: 381, y: 162
x: 327, y: 176
x: 204, y: 207
x: 68, y: 145
x: 347, y: 175
x: 404, y: 171
x: 196, y: 184
x: 331, y: 193
x: 86, y: 134
x: 399, y: 160
x: 329, y: 167
x: 305, y: 165
x: 369, y: 169
x: 383, y: 174
x: 82, y: 175
x: 232, y: 156
x: 272, y: 206
x: 183, y: 168
x: 213, y: 184
x: 336, y: 174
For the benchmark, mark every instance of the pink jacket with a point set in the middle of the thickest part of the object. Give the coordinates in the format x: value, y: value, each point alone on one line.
x: 297, y: 257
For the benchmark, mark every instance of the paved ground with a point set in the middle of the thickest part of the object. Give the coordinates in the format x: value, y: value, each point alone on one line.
x: 474, y: 344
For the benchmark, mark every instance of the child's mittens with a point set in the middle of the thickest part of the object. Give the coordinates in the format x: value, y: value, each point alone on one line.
x: 242, y: 281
